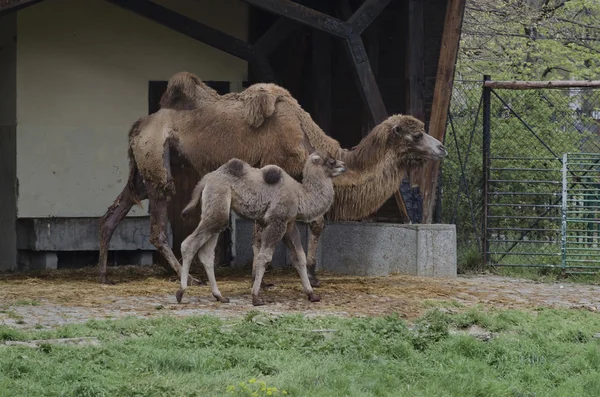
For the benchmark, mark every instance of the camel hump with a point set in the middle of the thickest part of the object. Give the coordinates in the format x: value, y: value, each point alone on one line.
x: 272, y: 175
x: 183, y: 92
x: 259, y: 102
x: 235, y: 167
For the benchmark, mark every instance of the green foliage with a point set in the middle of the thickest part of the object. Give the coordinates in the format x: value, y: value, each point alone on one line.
x: 549, y: 353
x: 530, y: 40
x: 519, y: 40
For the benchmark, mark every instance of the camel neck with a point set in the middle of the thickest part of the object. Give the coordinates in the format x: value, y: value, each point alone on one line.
x: 316, y: 194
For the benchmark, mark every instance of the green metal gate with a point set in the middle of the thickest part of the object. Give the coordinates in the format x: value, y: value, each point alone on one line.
x: 581, y: 212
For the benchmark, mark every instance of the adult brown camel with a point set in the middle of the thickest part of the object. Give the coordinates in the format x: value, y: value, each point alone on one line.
x: 261, y: 125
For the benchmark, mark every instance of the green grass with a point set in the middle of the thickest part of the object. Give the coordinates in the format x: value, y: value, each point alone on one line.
x: 545, y: 353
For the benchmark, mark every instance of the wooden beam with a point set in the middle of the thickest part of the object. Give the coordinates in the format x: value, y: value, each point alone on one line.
x: 525, y: 85
x: 15, y: 5
x: 367, y: 86
x: 189, y: 27
x: 304, y: 15
x: 416, y: 60
x: 366, y: 14
x: 441, y: 98
x: 274, y: 36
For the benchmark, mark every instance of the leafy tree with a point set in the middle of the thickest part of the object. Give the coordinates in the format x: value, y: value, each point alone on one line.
x: 520, y: 40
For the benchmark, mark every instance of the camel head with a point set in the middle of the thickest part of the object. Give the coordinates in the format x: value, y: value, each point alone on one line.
x: 331, y: 166
x: 408, y: 135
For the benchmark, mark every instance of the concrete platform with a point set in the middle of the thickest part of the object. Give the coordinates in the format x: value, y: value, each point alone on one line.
x: 369, y: 249
x: 40, y: 241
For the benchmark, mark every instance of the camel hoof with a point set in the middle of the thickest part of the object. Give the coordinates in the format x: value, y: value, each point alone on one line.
x: 222, y: 300
x: 267, y: 285
x: 179, y: 295
x: 314, y: 298
x: 256, y: 301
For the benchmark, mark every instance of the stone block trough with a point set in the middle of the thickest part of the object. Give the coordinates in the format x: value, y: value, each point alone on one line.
x: 368, y: 249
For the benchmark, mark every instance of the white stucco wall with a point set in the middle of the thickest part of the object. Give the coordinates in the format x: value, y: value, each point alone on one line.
x: 82, y: 80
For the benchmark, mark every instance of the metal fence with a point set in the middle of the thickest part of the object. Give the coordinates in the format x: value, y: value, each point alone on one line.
x: 502, y: 184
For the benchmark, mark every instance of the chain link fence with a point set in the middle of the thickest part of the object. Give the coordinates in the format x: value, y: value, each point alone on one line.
x: 502, y: 181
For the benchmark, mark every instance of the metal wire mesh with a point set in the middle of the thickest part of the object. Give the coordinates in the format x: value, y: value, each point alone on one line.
x: 529, y: 132
x: 462, y: 177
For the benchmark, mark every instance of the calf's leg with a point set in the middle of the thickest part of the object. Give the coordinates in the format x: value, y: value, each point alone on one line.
x: 256, y: 242
x: 316, y: 229
x: 271, y: 235
x: 294, y: 244
x: 207, y: 257
x: 189, y: 247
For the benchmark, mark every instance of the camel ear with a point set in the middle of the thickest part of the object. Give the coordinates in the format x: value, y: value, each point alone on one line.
x: 316, y: 159
x: 397, y: 130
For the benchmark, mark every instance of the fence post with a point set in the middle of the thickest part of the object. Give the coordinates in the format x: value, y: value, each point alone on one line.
x: 563, y: 236
x: 487, y: 110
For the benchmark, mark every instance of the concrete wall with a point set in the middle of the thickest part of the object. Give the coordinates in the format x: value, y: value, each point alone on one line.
x: 83, y: 71
x: 8, y: 142
x: 368, y: 249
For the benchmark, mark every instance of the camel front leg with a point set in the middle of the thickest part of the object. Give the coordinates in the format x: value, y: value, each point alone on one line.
x: 294, y: 244
x: 158, y: 230
x: 316, y: 229
x: 113, y: 217
x: 271, y: 235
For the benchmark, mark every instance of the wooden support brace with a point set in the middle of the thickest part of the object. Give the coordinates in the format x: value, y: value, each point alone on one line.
x: 304, y: 15
x: 368, y: 86
x: 274, y: 36
x: 366, y: 14
x: 441, y: 99
x: 15, y: 5
x: 189, y: 27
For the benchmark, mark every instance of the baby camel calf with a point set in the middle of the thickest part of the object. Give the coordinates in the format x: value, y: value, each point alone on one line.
x: 268, y: 196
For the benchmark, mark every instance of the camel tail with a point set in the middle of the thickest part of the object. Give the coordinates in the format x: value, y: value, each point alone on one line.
x: 196, y: 195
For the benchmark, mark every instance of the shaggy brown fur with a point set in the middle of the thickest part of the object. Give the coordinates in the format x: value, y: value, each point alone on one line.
x: 275, y: 206
x: 265, y: 125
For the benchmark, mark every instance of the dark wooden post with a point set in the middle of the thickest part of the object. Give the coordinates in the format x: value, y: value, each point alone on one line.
x: 487, y: 110
x: 441, y: 99
x: 416, y: 60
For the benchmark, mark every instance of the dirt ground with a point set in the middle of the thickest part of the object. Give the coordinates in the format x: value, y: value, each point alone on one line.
x: 65, y: 296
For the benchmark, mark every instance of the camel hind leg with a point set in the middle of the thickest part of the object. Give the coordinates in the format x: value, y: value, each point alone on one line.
x: 207, y: 257
x: 111, y: 219
x: 256, y: 243
x: 215, y: 218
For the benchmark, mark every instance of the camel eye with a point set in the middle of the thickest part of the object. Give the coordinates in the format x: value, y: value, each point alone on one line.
x: 418, y: 137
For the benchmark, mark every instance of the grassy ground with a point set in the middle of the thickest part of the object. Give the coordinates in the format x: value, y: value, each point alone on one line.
x: 542, y: 353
